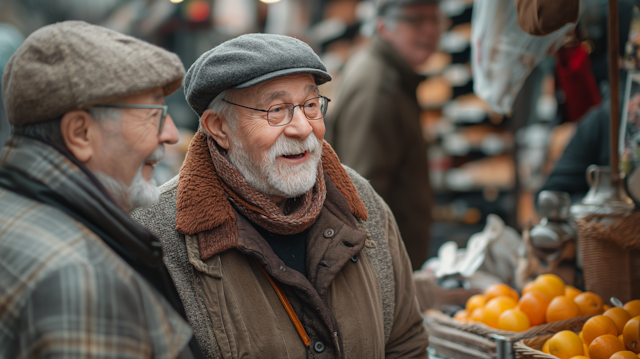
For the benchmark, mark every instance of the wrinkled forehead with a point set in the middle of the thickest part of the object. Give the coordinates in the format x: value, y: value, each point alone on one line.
x: 285, y: 87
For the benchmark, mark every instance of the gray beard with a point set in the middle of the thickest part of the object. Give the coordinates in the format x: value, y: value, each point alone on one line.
x: 266, y: 176
x: 141, y: 193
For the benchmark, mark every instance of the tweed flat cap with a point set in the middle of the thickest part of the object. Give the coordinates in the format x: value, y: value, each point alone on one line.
x: 246, y: 61
x: 74, y: 65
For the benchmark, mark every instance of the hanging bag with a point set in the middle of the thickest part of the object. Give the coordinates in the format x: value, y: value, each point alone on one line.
x: 502, y: 55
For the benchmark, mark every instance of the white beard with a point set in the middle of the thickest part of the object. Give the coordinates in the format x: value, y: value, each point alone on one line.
x: 141, y: 193
x: 273, y: 179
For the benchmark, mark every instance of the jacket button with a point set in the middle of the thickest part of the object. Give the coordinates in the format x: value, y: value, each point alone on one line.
x: 319, y: 347
x: 354, y: 258
x: 329, y: 233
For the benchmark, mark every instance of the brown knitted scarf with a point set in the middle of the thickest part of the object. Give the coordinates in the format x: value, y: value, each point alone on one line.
x: 209, y: 184
x: 258, y: 207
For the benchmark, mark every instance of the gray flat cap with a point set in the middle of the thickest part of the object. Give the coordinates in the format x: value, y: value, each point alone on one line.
x: 74, y: 65
x: 246, y: 61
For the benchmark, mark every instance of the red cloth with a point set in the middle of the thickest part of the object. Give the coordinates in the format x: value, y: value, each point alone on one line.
x: 575, y: 78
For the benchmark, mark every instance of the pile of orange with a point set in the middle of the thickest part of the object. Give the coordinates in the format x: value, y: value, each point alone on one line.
x: 544, y: 300
x: 612, y: 335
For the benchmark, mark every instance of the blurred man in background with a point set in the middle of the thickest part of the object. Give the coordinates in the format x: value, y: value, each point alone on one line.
x: 79, y: 277
x: 375, y: 125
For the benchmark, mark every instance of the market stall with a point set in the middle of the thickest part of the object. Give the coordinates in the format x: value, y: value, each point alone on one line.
x: 471, y: 308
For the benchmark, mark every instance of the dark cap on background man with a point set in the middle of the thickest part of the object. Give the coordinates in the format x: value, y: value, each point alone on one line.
x: 384, y: 5
x: 74, y: 65
x: 246, y: 61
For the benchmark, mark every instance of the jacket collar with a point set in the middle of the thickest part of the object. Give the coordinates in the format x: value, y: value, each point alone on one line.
x: 327, y: 252
x: 390, y: 55
x: 202, y: 204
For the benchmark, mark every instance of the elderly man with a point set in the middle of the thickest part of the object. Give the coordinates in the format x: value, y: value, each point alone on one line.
x: 88, y: 123
x: 276, y: 249
x: 375, y: 125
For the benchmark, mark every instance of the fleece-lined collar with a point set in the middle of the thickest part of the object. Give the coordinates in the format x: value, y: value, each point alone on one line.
x: 203, y: 207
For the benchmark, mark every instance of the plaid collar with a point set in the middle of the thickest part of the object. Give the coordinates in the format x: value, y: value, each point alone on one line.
x: 68, y: 178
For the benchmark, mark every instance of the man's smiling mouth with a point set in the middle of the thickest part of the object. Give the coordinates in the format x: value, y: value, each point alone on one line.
x: 296, y: 156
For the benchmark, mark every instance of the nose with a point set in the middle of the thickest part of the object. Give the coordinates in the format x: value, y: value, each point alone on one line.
x: 299, y: 127
x: 169, y: 132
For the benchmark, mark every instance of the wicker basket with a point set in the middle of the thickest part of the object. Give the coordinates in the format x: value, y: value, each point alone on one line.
x: 573, y: 324
x: 530, y: 348
x: 453, y: 339
x: 611, y: 256
x: 449, y: 342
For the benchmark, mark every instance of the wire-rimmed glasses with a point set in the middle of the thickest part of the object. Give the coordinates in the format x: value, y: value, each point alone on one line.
x: 281, y: 114
x: 155, y: 114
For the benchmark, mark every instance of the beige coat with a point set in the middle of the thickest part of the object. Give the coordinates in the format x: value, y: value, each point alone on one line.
x: 374, y: 128
x: 357, y: 301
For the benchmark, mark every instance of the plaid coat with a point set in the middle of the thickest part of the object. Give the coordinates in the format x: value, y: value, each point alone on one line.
x: 63, y: 292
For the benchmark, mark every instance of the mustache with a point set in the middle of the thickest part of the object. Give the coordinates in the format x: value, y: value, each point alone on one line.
x: 285, y: 146
x: 157, y: 155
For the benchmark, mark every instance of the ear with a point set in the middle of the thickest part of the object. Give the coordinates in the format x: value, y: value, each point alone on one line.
x: 381, y: 28
x: 77, y: 129
x: 216, y: 127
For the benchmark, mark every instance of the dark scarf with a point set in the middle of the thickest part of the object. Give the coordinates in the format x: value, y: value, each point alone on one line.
x: 80, y: 194
x: 258, y: 207
x: 67, y: 185
x: 209, y: 184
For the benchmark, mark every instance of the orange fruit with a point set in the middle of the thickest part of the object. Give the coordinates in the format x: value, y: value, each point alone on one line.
x: 534, y: 304
x: 571, y: 291
x: 477, y: 315
x: 545, y: 346
x: 561, y: 308
x: 586, y: 349
x: 619, y: 316
x: 631, y: 334
x: 527, y: 288
x: 476, y: 301
x: 579, y: 357
x: 597, y: 326
x: 461, y: 315
x: 500, y: 289
x: 606, y: 307
x: 494, y: 308
x: 633, y: 308
x: 604, y: 346
x: 621, y: 339
x: 549, y: 284
x: 581, y: 337
x: 625, y: 354
x: 589, y: 303
x: 565, y: 344
x: 513, y: 320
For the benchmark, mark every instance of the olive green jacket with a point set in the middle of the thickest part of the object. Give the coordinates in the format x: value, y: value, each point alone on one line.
x: 357, y: 301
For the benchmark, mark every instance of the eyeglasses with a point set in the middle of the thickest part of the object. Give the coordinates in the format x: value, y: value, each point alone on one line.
x: 155, y: 114
x: 419, y: 21
x: 281, y: 114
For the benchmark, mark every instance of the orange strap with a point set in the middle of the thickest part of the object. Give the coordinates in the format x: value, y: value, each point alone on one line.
x: 287, y: 307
